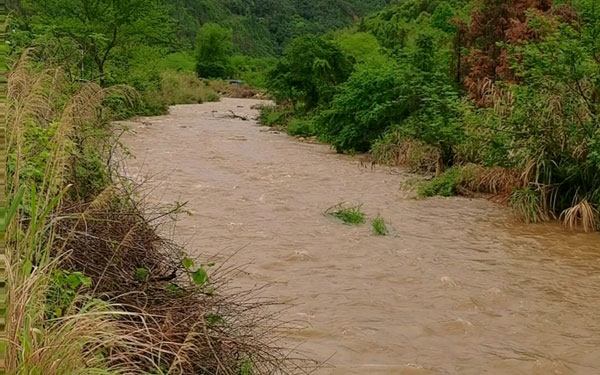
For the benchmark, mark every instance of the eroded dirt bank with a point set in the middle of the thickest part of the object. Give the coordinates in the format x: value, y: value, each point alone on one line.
x: 459, y: 287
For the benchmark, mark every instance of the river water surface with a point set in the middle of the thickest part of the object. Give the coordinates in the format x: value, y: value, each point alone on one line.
x: 459, y: 287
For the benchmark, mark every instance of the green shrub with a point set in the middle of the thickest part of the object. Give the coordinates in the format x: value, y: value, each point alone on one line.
x: 301, y: 127
x: 214, y: 45
x: 90, y: 175
x: 177, y: 62
x: 274, y: 116
x: 362, y: 109
x: 253, y: 71
x: 62, y: 291
x: 417, y: 105
x: 184, y: 88
x: 309, y: 71
x: 444, y: 185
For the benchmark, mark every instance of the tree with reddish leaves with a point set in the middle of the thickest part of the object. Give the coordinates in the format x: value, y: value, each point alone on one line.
x: 494, y: 23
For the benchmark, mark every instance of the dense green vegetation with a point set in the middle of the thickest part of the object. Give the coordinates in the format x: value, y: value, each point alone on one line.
x: 263, y: 28
x: 151, y: 45
x: 502, y: 96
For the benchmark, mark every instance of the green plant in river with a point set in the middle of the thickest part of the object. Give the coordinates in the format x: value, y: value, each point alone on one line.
x: 380, y: 227
x: 528, y: 204
x: 353, y: 215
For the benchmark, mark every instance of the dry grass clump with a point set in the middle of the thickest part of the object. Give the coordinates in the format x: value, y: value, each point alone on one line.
x: 415, y: 155
x: 581, y: 215
x: 185, y: 88
x: 193, y: 323
x: 498, y: 181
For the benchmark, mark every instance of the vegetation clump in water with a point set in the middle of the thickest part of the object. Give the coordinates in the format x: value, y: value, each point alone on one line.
x: 380, y: 227
x: 352, y: 215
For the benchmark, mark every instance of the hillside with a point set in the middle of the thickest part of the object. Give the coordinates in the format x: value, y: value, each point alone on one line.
x: 264, y: 27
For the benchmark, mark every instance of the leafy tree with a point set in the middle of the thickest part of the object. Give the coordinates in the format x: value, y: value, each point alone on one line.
x: 442, y: 17
x: 309, y: 72
x: 374, y: 100
x: 98, y: 28
x: 363, y: 47
x: 214, y: 46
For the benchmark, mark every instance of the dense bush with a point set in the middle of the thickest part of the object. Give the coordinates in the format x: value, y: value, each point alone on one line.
x: 253, y: 71
x: 309, y: 72
x: 363, y: 108
x: 213, y: 49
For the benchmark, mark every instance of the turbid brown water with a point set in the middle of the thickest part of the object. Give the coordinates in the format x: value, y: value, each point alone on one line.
x: 459, y: 287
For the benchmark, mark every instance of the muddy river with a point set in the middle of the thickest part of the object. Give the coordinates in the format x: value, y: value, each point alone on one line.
x: 458, y: 287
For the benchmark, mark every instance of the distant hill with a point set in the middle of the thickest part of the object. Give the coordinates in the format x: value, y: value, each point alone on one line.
x: 263, y: 27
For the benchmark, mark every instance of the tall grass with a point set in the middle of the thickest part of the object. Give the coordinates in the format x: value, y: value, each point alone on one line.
x: 185, y: 88
x: 4, y: 218
x: 75, y: 343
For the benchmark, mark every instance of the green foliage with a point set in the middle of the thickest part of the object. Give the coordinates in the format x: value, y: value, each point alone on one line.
x: 35, y: 152
x: 363, y: 47
x: 275, y: 116
x: 253, y: 71
x: 214, y: 46
x: 90, y: 175
x: 352, y: 215
x: 309, y: 72
x: 264, y: 28
x: 247, y: 367
x: 177, y: 61
x: 380, y: 226
x: 199, y: 275
x: 62, y: 291
x: 362, y: 109
x: 442, y: 17
x: 185, y: 88
x: 94, y: 35
x: 444, y: 185
x: 301, y: 127
x: 549, y: 120
x: 142, y: 275
x: 528, y: 204
x: 377, y: 99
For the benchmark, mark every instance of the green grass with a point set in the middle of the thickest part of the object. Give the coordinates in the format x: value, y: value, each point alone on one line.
x: 274, y: 116
x: 528, y: 204
x: 353, y: 215
x: 444, y: 185
x: 380, y: 227
x: 301, y: 128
